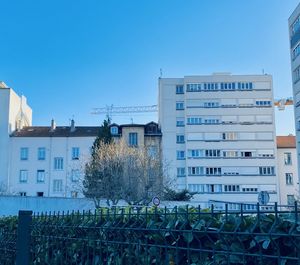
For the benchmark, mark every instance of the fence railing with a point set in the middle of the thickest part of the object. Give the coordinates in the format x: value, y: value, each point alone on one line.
x: 133, y: 235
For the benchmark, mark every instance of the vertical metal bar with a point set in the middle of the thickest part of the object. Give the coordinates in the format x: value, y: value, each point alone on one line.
x: 23, y: 238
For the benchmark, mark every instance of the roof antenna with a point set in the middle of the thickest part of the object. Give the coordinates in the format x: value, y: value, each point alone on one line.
x: 161, y: 72
x: 263, y: 71
x: 131, y: 120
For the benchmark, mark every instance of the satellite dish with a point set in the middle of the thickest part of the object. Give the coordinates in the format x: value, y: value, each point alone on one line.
x: 263, y: 197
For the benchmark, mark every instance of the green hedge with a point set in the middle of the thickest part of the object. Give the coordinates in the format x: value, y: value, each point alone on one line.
x: 161, y: 236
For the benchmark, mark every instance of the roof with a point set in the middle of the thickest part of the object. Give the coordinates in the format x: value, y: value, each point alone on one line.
x: 286, y: 141
x: 60, y: 131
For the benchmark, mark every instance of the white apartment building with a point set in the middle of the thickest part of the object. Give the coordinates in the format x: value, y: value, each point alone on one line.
x: 219, y: 136
x: 14, y: 114
x: 287, y: 169
x: 50, y: 160
x: 294, y: 32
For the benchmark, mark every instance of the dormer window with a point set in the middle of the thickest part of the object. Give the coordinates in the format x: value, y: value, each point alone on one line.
x: 114, y: 130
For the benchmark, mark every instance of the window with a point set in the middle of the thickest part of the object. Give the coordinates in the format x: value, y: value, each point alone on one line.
x: 23, y: 193
x: 288, y: 178
x: 23, y: 176
x: 287, y: 158
x: 230, y: 136
x: 58, y: 163
x: 213, y: 171
x: 179, y: 105
x: 180, y: 155
x: 195, y: 171
x: 179, y: 89
x: 193, y: 87
x: 40, y: 194
x: 194, y: 120
x: 250, y: 189
x: 246, y: 154
x: 75, y: 174
x: 181, y: 172
x: 40, y: 176
x: 180, y: 122
x: 245, y: 86
x: 227, y: 86
x: 263, y: 103
x: 133, y: 139
x: 24, y: 153
x: 211, y: 121
x: 180, y: 138
x: 75, y: 153
x: 212, y: 153
x: 152, y: 151
x: 290, y: 199
x: 296, y: 51
x: 57, y: 185
x: 230, y: 154
x: 296, y: 75
x: 211, y: 104
x: 296, y: 25
x: 214, y: 188
x: 194, y: 153
x: 114, y: 130
x: 231, y: 188
x: 41, y: 153
x: 266, y: 170
x: 196, y: 187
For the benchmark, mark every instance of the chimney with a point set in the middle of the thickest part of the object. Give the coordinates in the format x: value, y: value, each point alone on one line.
x: 18, y: 125
x: 72, y: 129
x: 3, y: 85
x: 53, y: 125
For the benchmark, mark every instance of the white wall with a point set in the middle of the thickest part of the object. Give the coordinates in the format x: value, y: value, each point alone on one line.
x: 257, y: 136
x: 10, y: 112
x: 55, y: 147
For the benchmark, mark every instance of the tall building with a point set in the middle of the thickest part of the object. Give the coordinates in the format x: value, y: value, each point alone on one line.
x: 14, y: 115
x: 219, y: 136
x: 287, y: 169
x: 294, y: 32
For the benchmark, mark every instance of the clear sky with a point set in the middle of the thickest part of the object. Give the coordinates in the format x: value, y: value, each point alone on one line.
x: 67, y: 57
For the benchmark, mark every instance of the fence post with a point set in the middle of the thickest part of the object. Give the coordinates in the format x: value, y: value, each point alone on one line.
x: 23, y: 238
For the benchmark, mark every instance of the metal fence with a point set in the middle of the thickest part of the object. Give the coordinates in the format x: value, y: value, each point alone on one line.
x: 133, y: 235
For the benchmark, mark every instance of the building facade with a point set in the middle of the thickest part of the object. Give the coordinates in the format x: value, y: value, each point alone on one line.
x: 49, y: 161
x: 219, y: 136
x: 14, y: 114
x: 287, y: 169
x: 294, y: 33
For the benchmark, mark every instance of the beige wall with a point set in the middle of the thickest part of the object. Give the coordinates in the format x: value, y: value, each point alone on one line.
x: 284, y: 188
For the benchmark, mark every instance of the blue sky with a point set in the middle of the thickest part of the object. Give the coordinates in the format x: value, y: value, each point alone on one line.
x: 67, y: 57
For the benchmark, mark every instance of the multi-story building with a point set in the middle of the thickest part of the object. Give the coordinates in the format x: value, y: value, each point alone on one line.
x: 14, y: 114
x: 146, y: 135
x: 287, y: 169
x: 219, y: 136
x: 50, y: 160
x: 294, y: 32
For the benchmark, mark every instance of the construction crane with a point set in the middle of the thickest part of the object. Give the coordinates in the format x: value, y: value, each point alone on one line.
x: 109, y: 110
x: 281, y: 103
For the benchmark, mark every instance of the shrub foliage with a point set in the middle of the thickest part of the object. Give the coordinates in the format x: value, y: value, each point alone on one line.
x: 163, y: 236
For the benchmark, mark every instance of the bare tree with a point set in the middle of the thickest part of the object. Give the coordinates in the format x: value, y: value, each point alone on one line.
x: 119, y: 172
